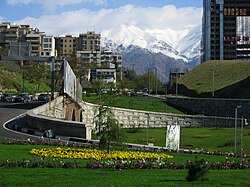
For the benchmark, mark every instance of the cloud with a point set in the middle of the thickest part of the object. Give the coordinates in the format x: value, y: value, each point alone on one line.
x: 52, y: 4
x: 149, y: 18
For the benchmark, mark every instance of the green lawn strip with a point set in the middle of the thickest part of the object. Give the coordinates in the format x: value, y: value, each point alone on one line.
x: 211, y: 139
x: 136, y: 103
x: 19, y: 152
x: 102, y: 177
x: 88, y: 177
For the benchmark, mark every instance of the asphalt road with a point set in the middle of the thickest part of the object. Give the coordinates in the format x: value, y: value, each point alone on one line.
x: 9, y: 111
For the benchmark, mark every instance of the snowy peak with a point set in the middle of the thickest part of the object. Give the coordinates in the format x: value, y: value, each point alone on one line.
x: 181, y: 44
x: 126, y: 35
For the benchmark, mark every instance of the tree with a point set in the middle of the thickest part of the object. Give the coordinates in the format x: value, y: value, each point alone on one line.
x: 198, y: 170
x: 36, y: 73
x: 109, y: 130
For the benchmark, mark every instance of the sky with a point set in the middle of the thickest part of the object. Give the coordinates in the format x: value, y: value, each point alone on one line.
x: 59, y: 17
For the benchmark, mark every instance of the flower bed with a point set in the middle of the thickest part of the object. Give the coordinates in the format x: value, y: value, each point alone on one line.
x: 96, y: 154
x: 160, y: 164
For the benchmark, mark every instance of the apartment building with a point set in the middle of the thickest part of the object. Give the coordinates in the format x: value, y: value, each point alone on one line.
x: 90, y: 41
x: 12, y: 33
x: 225, y: 30
x: 107, y: 75
x: 48, y: 46
x: 108, y: 58
x: 89, y: 57
x: 35, y: 38
x: 66, y: 45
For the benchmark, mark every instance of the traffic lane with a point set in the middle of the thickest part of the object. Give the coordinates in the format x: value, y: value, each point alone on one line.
x: 11, y: 110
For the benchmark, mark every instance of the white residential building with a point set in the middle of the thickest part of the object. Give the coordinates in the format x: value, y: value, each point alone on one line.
x: 48, y: 46
x: 105, y: 74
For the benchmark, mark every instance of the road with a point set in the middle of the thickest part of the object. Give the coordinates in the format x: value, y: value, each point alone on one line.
x: 11, y: 110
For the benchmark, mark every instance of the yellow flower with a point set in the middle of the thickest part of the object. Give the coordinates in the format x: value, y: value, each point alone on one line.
x: 96, y: 154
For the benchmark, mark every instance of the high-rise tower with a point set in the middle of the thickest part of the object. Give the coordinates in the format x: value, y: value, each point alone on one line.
x: 225, y: 30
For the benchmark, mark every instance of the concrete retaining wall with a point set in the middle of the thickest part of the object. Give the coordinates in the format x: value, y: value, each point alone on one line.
x: 51, y: 116
x: 137, y: 118
x: 212, y: 107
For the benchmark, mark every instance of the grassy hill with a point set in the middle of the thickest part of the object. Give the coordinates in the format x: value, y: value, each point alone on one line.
x: 12, y: 82
x: 227, y: 74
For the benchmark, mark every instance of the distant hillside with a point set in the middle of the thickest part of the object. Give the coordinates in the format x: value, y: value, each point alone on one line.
x: 12, y: 82
x: 231, y: 79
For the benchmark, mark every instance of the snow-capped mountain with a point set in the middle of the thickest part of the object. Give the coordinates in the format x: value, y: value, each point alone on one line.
x: 180, y: 47
x: 181, y: 44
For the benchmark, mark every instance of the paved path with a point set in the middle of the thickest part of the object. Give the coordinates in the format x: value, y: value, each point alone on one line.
x: 11, y: 110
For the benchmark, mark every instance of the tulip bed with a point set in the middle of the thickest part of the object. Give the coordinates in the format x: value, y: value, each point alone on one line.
x: 95, y: 154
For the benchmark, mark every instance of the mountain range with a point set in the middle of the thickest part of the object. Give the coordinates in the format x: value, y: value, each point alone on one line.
x: 164, y: 50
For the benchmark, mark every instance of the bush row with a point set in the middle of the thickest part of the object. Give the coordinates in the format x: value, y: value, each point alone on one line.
x: 40, y: 163
x: 160, y: 164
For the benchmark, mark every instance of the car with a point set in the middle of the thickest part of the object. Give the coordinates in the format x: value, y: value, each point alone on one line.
x: 44, y: 97
x: 133, y: 94
x: 23, y: 97
x: 8, y: 97
x: 1, y: 96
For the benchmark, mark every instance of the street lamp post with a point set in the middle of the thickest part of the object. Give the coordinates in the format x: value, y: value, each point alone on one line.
x: 147, y: 126
x: 235, y: 129
x: 241, y: 140
x: 22, y: 66
x: 155, y: 81
x: 213, y: 83
x: 148, y: 82
x: 176, y: 83
x: 52, y: 78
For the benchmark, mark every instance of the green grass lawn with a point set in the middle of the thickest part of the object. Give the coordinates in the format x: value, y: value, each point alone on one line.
x: 137, y: 103
x: 102, y: 177
x: 87, y: 177
x: 19, y: 152
x: 212, y: 139
x: 226, y: 73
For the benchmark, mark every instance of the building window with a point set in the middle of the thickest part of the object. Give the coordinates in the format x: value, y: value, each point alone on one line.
x: 47, y: 46
x: 34, y: 48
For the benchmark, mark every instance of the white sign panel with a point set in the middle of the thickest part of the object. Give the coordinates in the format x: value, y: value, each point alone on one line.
x: 243, y: 30
x: 173, y: 137
x: 69, y: 81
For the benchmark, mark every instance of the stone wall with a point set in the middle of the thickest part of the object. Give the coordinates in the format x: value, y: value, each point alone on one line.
x: 212, y: 107
x: 137, y: 118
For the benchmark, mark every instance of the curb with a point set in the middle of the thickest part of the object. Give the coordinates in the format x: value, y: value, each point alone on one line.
x: 27, y: 131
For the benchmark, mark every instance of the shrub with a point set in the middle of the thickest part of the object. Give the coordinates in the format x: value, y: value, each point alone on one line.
x: 134, y: 129
x: 40, y: 163
x: 202, y: 136
x: 197, y: 170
